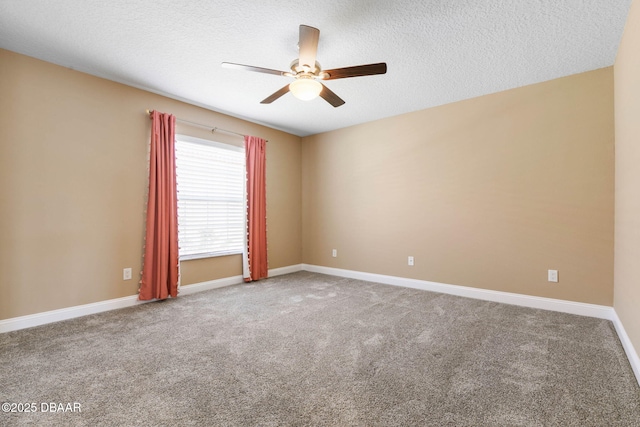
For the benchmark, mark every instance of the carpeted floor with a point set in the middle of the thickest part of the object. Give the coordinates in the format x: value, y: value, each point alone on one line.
x: 310, y: 349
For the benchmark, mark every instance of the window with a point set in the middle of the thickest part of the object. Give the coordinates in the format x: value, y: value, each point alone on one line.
x: 211, y: 201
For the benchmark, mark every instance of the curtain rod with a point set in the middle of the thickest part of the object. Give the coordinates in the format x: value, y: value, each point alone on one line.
x: 212, y: 128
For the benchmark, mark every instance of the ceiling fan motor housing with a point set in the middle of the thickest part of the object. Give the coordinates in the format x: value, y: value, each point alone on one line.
x: 300, y: 70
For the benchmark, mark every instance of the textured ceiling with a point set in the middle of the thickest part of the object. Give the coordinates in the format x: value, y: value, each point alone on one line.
x: 437, y: 51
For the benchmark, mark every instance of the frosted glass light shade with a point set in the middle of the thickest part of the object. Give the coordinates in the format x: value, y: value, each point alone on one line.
x: 305, y: 89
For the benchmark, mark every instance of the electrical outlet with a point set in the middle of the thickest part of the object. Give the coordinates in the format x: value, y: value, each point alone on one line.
x: 410, y: 260
x: 334, y: 253
x: 552, y: 276
x: 126, y: 274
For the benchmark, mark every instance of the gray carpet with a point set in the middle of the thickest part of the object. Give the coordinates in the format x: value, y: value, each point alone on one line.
x: 310, y: 349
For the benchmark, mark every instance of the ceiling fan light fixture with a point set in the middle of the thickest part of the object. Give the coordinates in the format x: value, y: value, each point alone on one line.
x: 305, y: 88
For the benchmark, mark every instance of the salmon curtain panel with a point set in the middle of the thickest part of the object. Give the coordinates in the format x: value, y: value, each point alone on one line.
x: 160, y: 269
x: 255, y: 254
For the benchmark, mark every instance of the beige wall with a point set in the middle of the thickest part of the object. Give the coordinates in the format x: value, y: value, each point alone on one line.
x: 627, y: 205
x: 490, y: 192
x: 73, y: 168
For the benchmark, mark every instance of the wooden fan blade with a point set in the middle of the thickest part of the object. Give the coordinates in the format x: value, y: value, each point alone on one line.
x: 329, y: 96
x: 308, y: 45
x: 269, y: 99
x: 357, y: 71
x: 252, y: 68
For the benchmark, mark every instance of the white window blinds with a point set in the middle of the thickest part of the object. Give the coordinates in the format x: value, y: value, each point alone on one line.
x: 211, y: 206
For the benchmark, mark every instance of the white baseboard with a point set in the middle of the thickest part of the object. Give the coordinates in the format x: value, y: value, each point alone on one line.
x: 632, y: 354
x: 583, y: 309
x: 210, y: 284
x: 31, y: 320
x: 285, y: 270
x: 38, y: 319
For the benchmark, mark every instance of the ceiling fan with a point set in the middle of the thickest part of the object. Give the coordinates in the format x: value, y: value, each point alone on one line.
x: 307, y: 72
